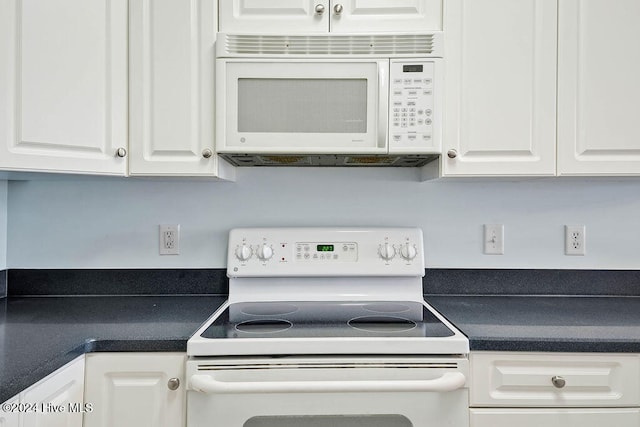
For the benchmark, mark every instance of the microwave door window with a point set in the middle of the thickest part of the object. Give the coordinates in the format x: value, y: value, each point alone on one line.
x: 302, y: 106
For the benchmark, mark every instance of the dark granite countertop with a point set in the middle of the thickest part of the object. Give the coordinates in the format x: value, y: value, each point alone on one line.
x: 544, y: 323
x: 41, y: 334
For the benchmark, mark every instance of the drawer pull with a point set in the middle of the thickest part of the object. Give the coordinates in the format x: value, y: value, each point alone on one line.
x: 558, y: 381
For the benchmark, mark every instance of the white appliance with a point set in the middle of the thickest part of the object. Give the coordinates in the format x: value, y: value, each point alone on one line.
x: 329, y: 99
x: 326, y: 327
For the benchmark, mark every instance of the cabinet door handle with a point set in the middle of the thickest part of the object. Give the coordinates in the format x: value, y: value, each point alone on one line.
x: 558, y: 381
x: 121, y: 152
x: 173, y: 383
x: 338, y: 9
x: 452, y: 154
x: 319, y: 9
x: 207, y: 153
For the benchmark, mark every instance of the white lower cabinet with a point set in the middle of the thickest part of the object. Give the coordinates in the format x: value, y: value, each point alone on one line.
x: 55, y: 401
x: 555, y: 417
x: 563, y: 389
x: 10, y: 418
x: 135, y: 389
x: 59, y: 398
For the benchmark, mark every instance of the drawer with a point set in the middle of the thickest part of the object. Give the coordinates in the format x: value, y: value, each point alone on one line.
x: 526, y: 379
x: 555, y: 417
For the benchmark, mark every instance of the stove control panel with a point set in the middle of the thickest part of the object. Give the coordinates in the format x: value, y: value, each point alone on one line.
x: 287, y: 252
x: 326, y: 251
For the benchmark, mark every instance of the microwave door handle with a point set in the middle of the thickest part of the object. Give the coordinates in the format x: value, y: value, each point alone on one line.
x: 383, y: 103
x: 448, y: 382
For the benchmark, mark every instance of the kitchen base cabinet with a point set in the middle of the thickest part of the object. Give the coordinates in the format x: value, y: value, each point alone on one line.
x: 10, y: 419
x: 563, y: 379
x: 554, y: 389
x: 59, y: 398
x: 555, y: 417
x: 135, y: 389
x: 54, y: 401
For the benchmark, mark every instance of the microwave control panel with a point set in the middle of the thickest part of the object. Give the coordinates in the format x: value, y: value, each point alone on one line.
x: 414, y: 113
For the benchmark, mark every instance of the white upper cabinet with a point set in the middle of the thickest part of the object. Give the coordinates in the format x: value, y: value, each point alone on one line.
x: 171, y: 87
x: 262, y: 16
x: 598, y: 87
x: 500, y: 94
x: 356, y: 16
x: 321, y: 16
x: 63, y: 85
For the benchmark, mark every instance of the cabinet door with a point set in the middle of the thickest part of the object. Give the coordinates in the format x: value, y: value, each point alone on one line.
x: 63, y: 85
x: 172, y: 84
x: 555, y: 417
x: 59, y: 398
x: 132, y: 391
x: 500, y: 70
x: 368, y: 16
x: 274, y: 16
x: 598, y: 90
x: 10, y: 419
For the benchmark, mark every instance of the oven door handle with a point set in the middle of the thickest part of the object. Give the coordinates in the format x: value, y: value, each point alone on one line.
x: 450, y: 381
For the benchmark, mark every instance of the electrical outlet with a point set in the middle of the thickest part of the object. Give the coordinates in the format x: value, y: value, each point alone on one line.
x: 574, y: 239
x: 494, y: 239
x: 169, y: 239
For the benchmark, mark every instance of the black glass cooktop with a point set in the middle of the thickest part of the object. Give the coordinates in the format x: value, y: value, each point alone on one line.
x: 326, y: 319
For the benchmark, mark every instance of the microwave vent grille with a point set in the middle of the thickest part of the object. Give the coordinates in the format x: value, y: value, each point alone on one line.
x: 329, y: 160
x: 424, y: 45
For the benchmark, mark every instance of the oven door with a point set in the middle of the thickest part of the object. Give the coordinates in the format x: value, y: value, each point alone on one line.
x: 327, y: 392
x: 302, y: 107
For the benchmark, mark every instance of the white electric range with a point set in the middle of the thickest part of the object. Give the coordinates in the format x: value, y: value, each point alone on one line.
x: 315, y: 318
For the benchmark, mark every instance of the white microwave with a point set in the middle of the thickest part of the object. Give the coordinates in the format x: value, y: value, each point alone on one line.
x: 327, y: 108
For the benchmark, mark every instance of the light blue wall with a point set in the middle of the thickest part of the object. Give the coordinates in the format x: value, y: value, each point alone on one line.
x: 3, y: 225
x: 83, y: 223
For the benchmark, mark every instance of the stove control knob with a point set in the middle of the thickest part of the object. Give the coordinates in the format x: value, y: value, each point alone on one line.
x: 408, y: 251
x: 244, y: 252
x: 264, y: 252
x: 387, y: 251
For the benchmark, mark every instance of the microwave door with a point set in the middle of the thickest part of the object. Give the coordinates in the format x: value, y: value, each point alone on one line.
x: 303, y: 107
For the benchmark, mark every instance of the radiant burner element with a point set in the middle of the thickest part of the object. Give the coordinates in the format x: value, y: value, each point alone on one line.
x: 386, y: 307
x: 383, y: 324
x: 269, y: 310
x: 265, y: 326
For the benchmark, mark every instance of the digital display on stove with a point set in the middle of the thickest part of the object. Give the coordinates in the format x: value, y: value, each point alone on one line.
x: 325, y: 248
